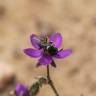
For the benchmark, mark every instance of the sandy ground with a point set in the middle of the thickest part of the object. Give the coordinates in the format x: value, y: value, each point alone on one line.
x: 74, y: 19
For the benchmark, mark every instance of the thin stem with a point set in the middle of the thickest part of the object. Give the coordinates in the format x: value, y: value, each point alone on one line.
x: 50, y: 82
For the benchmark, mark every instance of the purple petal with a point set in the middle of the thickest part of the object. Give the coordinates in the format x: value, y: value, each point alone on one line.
x: 45, y: 60
x: 21, y: 90
x: 64, y: 53
x: 35, y: 40
x: 56, y: 39
x: 33, y: 53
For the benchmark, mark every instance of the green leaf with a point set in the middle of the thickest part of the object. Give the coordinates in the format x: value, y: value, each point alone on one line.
x: 42, y: 81
x: 34, y: 89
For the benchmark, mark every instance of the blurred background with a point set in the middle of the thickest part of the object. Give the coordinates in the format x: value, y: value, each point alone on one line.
x: 74, y: 19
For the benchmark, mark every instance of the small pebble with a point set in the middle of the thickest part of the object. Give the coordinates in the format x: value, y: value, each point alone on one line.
x: 7, y: 75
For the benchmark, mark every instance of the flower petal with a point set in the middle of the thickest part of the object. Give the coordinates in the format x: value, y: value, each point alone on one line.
x: 56, y: 39
x: 35, y: 40
x: 33, y: 53
x: 21, y: 90
x: 45, y: 60
x: 63, y: 53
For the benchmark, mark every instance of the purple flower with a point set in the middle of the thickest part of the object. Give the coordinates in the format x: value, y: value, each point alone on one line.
x: 21, y: 90
x: 45, y: 48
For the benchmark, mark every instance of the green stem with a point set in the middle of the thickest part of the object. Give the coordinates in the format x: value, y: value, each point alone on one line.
x: 50, y: 82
